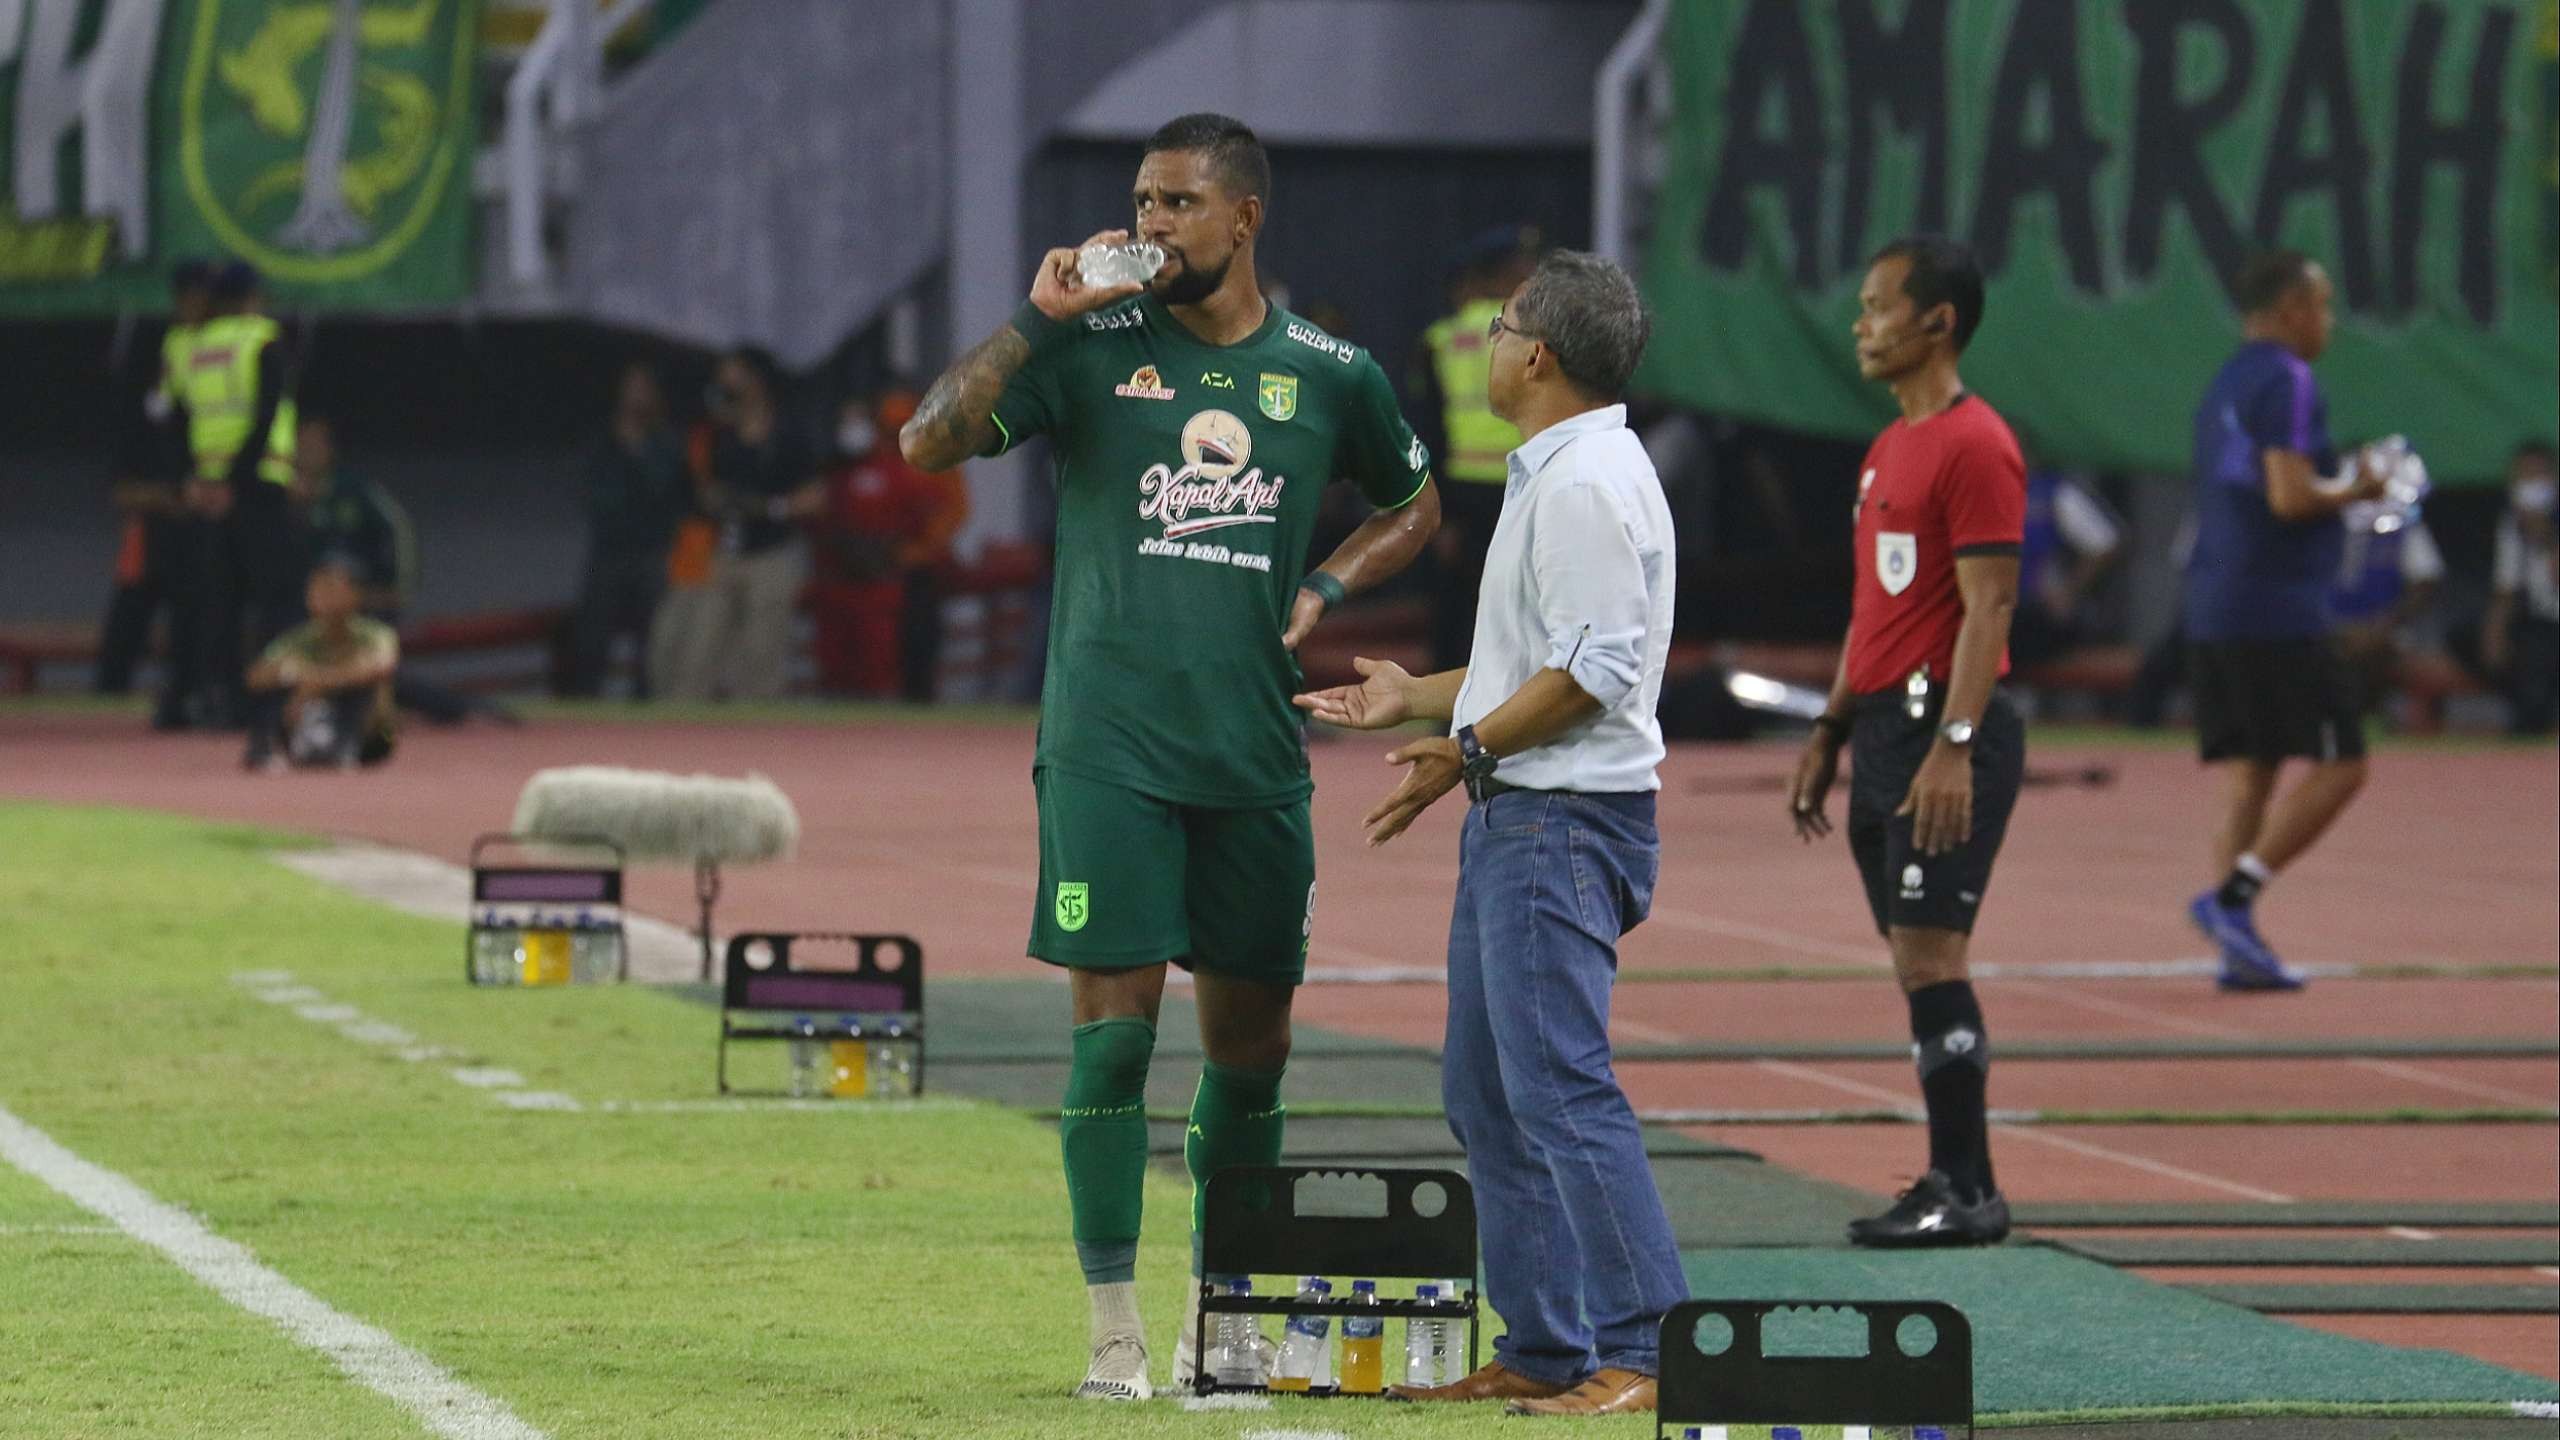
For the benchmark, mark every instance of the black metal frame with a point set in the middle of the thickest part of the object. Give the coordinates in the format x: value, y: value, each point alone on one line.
x: 1744, y: 1386
x: 738, y: 977
x: 1250, y: 1226
x: 481, y: 871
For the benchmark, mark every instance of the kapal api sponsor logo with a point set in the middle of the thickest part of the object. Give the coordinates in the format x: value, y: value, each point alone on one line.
x: 1214, y: 487
x: 1144, y: 384
x: 1310, y: 336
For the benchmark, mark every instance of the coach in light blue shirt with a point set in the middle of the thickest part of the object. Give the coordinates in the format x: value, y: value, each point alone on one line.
x: 1553, y: 735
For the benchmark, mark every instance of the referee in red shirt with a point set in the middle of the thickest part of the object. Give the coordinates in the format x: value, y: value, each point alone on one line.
x: 1938, y: 753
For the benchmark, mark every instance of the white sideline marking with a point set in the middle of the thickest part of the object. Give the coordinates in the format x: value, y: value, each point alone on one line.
x: 365, y: 1354
x: 2041, y: 1137
x: 2551, y: 1270
x: 537, y: 1100
x: 329, y: 1014
x: 2408, y: 1233
x: 376, y: 1032
x: 489, y: 1077
x: 1297, y: 1435
x: 2536, y: 1410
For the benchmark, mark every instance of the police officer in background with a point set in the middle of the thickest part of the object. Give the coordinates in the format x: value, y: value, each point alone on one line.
x: 233, y: 381
x: 1446, y: 398
x: 151, y: 470
x: 1939, y: 753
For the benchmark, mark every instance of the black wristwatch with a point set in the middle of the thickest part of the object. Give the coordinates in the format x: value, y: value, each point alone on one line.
x: 1835, y: 726
x: 1476, y: 764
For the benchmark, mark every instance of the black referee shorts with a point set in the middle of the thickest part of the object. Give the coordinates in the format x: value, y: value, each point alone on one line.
x: 1905, y: 887
x: 2274, y: 700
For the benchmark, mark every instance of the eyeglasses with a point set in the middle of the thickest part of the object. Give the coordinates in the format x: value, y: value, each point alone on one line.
x: 1493, y: 331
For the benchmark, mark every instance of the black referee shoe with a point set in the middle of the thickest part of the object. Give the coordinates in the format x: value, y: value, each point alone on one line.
x: 1930, y: 1214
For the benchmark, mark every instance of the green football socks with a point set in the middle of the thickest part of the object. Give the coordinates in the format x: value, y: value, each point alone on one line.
x: 1236, y: 1119
x: 1102, y: 1129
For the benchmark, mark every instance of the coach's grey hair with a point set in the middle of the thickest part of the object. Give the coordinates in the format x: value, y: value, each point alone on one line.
x: 1588, y: 312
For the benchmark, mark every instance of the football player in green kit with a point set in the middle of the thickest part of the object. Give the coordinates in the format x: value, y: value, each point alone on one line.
x: 1195, y: 427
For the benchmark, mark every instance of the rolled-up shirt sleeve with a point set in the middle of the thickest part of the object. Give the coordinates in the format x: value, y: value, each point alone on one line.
x: 1591, y: 590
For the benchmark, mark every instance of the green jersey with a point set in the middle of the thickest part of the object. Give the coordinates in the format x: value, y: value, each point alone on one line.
x: 1189, y: 476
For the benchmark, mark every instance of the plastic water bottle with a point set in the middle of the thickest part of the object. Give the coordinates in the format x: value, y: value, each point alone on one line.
x: 893, y: 1065
x: 1103, y: 266
x: 1304, y: 1361
x: 808, y: 1060
x: 493, y: 952
x: 1426, y: 1344
x: 1364, y: 1343
x: 1235, y: 1361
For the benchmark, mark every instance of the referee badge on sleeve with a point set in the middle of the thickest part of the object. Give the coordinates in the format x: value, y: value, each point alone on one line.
x: 1897, y: 559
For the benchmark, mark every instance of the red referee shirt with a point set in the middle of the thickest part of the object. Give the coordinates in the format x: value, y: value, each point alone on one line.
x: 1952, y: 484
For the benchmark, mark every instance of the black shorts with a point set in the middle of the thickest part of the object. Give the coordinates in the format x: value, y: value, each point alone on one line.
x: 1905, y: 887
x: 2274, y: 700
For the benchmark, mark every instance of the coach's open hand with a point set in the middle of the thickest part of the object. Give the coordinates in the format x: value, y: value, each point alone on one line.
x: 1811, y: 789
x: 1060, y: 291
x: 1382, y: 698
x: 1941, y: 800
x: 1434, y: 773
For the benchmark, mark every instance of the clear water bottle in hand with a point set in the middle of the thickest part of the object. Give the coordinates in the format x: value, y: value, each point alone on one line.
x: 1426, y: 1343
x: 1104, y: 266
x: 1304, y: 1361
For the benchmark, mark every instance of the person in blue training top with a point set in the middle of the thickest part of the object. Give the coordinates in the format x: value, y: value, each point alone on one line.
x: 2270, y: 685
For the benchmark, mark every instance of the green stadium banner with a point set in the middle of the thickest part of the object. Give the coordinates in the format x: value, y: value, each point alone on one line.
x: 327, y: 142
x: 2114, y: 162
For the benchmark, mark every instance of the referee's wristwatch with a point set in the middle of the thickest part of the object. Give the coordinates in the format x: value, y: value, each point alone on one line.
x: 1958, y: 733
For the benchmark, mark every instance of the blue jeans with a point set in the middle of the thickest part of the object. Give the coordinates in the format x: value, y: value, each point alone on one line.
x: 1578, y: 1255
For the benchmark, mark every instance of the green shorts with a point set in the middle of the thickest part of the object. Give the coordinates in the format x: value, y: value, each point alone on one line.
x: 1129, y: 880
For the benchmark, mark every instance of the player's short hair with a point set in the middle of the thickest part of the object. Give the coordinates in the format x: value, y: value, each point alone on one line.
x: 1235, y: 153
x: 2267, y: 279
x: 191, y: 274
x: 1586, y: 310
x: 1943, y: 272
x: 2532, y: 450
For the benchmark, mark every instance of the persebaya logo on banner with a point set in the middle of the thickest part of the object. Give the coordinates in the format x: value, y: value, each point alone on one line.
x: 316, y: 138
x: 325, y: 141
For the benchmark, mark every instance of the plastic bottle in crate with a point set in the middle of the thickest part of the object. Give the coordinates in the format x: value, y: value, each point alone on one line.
x: 1305, y: 1358
x: 892, y: 1060
x: 1364, y: 1343
x: 1426, y: 1343
x: 810, y: 1075
x: 1235, y: 1360
x: 493, y: 950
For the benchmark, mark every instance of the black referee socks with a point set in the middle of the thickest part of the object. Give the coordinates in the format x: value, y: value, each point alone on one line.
x: 1954, y: 1058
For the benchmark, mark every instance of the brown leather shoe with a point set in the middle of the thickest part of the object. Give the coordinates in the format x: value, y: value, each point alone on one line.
x: 1607, y: 1392
x: 1493, y: 1382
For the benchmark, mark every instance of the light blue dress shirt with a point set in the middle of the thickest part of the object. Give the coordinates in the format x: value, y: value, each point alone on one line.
x: 1579, y: 578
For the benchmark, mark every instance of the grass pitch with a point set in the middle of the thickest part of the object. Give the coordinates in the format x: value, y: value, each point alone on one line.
x: 627, y: 1273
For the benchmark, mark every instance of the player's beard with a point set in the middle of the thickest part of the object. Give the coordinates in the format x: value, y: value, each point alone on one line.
x: 1194, y: 284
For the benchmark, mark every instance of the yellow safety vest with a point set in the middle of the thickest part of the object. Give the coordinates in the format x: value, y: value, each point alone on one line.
x: 1480, y: 442
x: 216, y: 378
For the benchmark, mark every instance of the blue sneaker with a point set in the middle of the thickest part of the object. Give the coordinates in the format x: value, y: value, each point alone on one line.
x: 2248, y: 962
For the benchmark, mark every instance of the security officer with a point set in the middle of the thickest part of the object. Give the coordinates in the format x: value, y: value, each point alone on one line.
x: 1447, y: 382
x: 235, y: 382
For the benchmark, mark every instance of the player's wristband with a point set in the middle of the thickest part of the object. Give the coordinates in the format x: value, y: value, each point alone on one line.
x: 1035, y: 326
x: 1324, y: 587
x: 1835, y: 726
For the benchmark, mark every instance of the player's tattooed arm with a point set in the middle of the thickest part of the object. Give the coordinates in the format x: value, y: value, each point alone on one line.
x: 956, y: 418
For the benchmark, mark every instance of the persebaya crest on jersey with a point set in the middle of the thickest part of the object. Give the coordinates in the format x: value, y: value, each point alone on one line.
x: 333, y: 122
x: 1278, y: 395
x: 1213, y: 489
